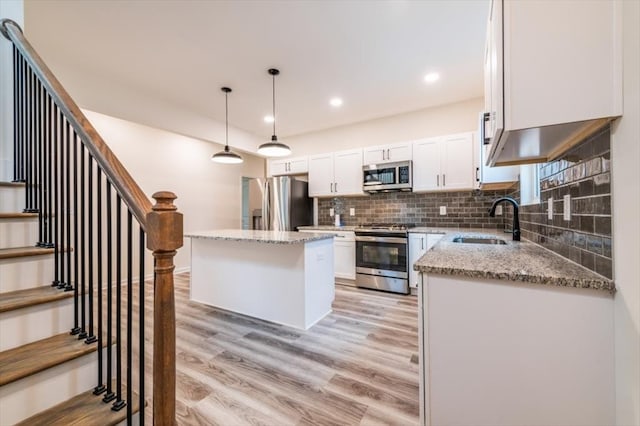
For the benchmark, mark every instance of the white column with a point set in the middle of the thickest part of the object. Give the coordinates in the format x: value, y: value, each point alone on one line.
x: 12, y: 9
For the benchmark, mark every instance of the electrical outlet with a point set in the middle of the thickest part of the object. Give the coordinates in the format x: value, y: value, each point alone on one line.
x: 567, y: 207
x: 498, y: 210
x: 352, y: 211
x: 443, y: 210
x: 550, y: 208
x: 331, y: 212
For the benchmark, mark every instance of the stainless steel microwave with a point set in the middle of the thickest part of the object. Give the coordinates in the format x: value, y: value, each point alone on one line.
x: 387, y: 177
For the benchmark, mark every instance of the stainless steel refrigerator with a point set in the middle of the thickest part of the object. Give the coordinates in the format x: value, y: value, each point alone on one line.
x: 279, y: 203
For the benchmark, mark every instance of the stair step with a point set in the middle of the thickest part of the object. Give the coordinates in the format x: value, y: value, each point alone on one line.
x: 12, y: 184
x: 85, y: 409
x: 14, y: 252
x: 30, y: 297
x: 31, y: 358
x: 17, y: 215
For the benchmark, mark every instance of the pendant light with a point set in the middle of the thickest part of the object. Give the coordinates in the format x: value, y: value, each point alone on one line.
x: 227, y: 156
x: 274, y: 148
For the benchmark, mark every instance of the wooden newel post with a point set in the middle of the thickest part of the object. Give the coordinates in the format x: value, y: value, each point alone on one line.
x: 164, y: 237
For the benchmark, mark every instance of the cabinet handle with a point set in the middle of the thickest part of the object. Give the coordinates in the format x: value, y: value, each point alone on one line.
x: 477, y: 176
x: 331, y: 187
x: 437, y: 180
x: 422, y: 243
x: 288, y: 167
x: 383, y: 155
x: 388, y: 155
x: 335, y: 186
x: 444, y: 180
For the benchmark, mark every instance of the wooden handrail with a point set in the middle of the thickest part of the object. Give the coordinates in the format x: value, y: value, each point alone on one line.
x: 133, y: 196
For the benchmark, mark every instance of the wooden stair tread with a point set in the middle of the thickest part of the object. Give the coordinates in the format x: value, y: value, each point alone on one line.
x: 30, y: 297
x: 37, y: 356
x: 11, y: 184
x: 13, y: 252
x: 85, y: 409
x: 18, y: 215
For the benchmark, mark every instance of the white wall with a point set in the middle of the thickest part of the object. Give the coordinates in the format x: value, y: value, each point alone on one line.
x: 442, y: 120
x: 209, y: 194
x: 625, y: 155
x: 12, y: 9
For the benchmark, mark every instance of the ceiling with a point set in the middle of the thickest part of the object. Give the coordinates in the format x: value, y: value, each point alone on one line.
x: 373, y: 54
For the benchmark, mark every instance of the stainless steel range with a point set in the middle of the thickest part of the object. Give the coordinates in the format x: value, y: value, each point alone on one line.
x: 382, y: 257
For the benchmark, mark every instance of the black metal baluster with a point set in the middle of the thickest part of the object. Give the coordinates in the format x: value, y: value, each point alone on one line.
x: 141, y: 302
x: 109, y: 396
x: 16, y: 109
x: 56, y: 205
x: 39, y: 162
x: 49, y: 175
x: 82, y: 282
x: 129, y: 315
x: 18, y: 165
x: 91, y: 338
x: 119, y: 403
x: 67, y: 217
x: 63, y: 166
x: 76, y: 276
x: 100, y: 386
x: 29, y: 144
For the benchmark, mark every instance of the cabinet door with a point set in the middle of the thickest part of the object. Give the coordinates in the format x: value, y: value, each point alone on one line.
x: 426, y: 165
x: 298, y: 165
x: 399, y: 152
x: 321, y: 175
x: 277, y: 167
x: 417, y: 247
x: 496, y: 174
x: 432, y: 239
x: 496, y: 117
x: 344, y: 259
x: 457, y: 162
x: 348, y: 172
x: 375, y: 154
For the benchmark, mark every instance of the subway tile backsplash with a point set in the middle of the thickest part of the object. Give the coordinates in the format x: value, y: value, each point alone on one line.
x: 584, y: 174
x: 468, y: 209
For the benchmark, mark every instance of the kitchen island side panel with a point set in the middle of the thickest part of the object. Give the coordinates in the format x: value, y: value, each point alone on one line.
x: 320, y: 282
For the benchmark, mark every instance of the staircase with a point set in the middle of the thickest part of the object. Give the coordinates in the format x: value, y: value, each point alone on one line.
x: 75, y: 229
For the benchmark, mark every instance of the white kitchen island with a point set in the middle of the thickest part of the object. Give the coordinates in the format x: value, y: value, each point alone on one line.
x: 283, y: 277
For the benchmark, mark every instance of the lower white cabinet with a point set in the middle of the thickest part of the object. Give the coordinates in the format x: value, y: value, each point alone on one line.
x: 501, y: 353
x: 344, y: 252
x: 418, y: 245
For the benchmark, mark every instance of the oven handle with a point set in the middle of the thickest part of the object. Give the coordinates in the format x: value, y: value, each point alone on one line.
x: 382, y: 239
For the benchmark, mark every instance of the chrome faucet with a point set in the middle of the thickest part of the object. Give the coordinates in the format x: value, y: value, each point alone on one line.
x: 516, y: 219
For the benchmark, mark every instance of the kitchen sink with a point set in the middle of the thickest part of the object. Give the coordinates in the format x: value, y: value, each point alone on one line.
x: 479, y: 240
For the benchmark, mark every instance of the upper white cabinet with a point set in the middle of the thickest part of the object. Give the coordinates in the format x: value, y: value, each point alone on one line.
x: 288, y: 166
x: 387, y: 153
x: 336, y: 173
x: 553, y: 76
x: 491, y: 178
x: 444, y: 163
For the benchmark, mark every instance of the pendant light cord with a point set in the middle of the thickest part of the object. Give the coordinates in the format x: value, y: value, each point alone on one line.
x: 226, y: 119
x: 274, y: 103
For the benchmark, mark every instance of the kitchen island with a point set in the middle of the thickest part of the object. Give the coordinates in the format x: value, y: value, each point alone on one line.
x: 282, y: 277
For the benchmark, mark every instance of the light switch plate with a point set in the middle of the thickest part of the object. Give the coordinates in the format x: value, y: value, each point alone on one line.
x: 567, y: 207
x: 331, y: 212
x: 352, y: 211
x: 443, y: 210
x: 550, y: 208
x: 498, y: 210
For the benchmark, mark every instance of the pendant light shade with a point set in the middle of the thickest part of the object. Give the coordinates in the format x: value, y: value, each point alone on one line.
x: 227, y: 156
x: 274, y: 148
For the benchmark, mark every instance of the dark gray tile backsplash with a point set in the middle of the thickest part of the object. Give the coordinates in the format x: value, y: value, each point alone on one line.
x: 584, y: 174
x: 468, y: 209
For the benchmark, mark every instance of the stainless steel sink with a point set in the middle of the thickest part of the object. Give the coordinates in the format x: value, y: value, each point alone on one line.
x: 479, y: 240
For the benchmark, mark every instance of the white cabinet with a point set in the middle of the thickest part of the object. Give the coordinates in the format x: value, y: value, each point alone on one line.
x: 387, y: 153
x: 289, y: 166
x: 336, y: 173
x: 487, y: 177
x: 344, y: 252
x: 553, y: 75
x: 418, y: 245
x: 444, y: 163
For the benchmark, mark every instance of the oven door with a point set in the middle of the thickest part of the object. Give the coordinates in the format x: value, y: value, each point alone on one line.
x: 381, y: 255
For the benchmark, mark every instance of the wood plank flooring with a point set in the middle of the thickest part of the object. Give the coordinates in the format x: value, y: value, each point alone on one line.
x: 358, y: 366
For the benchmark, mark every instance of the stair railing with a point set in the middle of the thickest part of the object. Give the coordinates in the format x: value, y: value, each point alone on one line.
x: 79, y: 188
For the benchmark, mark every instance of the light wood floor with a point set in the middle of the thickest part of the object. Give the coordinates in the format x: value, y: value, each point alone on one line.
x: 358, y: 366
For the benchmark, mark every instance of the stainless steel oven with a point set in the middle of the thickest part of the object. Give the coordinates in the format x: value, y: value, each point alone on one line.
x: 382, y: 260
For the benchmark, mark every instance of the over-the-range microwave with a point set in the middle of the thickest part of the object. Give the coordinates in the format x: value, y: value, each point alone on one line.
x: 387, y: 177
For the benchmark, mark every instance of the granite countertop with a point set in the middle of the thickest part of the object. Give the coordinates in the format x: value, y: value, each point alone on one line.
x: 515, y: 261
x: 269, y: 237
x: 326, y: 228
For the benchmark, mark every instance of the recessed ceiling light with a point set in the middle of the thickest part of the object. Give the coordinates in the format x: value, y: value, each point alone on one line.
x: 432, y: 77
x: 268, y: 119
x: 335, y: 102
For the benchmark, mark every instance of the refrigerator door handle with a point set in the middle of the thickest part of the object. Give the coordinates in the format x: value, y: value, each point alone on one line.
x: 266, y: 220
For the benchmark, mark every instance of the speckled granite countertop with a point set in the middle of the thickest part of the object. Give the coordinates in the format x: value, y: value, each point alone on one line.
x: 326, y: 228
x: 270, y: 237
x: 516, y: 261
